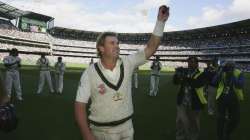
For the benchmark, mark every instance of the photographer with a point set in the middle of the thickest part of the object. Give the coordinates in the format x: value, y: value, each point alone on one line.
x: 190, y: 100
x: 210, y: 90
x: 229, y: 82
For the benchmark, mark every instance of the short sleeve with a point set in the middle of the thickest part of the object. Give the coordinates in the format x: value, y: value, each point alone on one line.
x: 137, y: 59
x: 5, y: 60
x: 18, y: 59
x: 83, y: 91
x: 48, y: 61
x: 38, y: 62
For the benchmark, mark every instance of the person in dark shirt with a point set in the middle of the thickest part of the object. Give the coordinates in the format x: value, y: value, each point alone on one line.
x: 210, y: 90
x: 190, y: 100
x: 229, y: 82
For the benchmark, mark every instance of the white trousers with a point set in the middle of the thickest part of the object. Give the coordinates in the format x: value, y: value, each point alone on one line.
x: 13, y: 77
x: 124, y: 131
x: 44, y: 75
x: 59, y: 82
x: 154, y: 85
x: 135, y: 79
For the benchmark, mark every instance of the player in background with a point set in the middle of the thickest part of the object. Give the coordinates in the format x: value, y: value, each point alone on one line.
x: 12, y: 64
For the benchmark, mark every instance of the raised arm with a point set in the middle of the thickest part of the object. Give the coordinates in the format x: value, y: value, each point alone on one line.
x: 155, y: 38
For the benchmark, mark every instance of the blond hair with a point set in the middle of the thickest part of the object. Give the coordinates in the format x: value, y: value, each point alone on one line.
x: 101, y: 39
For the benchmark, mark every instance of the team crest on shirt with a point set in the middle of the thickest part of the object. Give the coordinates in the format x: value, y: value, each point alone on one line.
x: 101, y: 89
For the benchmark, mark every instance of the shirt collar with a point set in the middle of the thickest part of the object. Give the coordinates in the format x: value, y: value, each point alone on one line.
x: 117, y: 65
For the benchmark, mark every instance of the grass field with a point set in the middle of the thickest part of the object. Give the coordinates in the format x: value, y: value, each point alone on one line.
x: 50, y: 117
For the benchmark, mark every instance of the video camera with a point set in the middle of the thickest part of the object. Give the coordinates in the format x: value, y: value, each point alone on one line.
x: 227, y: 67
x: 182, y: 72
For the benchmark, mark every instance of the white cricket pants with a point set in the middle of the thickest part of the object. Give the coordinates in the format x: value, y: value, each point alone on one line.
x: 59, y: 82
x: 44, y: 75
x: 124, y: 131
x: 136, y: 79
x: 154, y: 85
x: 13, y: 77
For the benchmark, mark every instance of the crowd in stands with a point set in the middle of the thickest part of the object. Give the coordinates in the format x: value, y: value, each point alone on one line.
x: 68, y: 42
x: 84, y: 49
x: 225, y: 42
x: 33, y: 36
x: 244, y: 67
x: 24, y: 48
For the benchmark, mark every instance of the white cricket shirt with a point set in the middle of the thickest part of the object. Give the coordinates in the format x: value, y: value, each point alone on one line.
x: 109, y: 104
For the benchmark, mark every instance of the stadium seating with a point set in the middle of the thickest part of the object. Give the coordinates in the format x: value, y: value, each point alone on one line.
x: 173, y: 51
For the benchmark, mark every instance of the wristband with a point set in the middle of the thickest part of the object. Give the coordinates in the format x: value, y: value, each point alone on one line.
x: 159, y: 27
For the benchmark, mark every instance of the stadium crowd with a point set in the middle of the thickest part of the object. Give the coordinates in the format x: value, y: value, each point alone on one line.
x: 78, y: 50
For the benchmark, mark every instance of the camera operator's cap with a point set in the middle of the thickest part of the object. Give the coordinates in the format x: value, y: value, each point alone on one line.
x: 192, y: 59
x: 42, y: 54
x: 13, y: 50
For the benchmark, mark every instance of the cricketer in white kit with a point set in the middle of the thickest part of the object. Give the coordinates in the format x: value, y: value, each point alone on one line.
x: 12, y: 64
x: 44, y: 66
x: 59, y: 72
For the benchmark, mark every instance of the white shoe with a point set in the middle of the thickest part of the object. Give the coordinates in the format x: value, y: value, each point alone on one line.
x: 19, y: 98
x: 210, y: 112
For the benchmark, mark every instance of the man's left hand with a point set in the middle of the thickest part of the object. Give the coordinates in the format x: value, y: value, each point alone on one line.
x: 163, y: 13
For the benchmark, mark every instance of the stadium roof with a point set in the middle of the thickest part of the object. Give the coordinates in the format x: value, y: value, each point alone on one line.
x: 69, y: 30
x: 228, y: 26
x: 213, y: 30
x: 223, y: 27
x: 230, y: 29
x: 10, y: 12
x: 37, y: 16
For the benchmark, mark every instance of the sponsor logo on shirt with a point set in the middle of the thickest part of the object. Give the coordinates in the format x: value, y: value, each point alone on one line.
x: 101, y: 89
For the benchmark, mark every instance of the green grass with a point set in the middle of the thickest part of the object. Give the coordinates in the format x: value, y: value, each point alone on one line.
x: 50, y: 117
x: 76, y: 67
